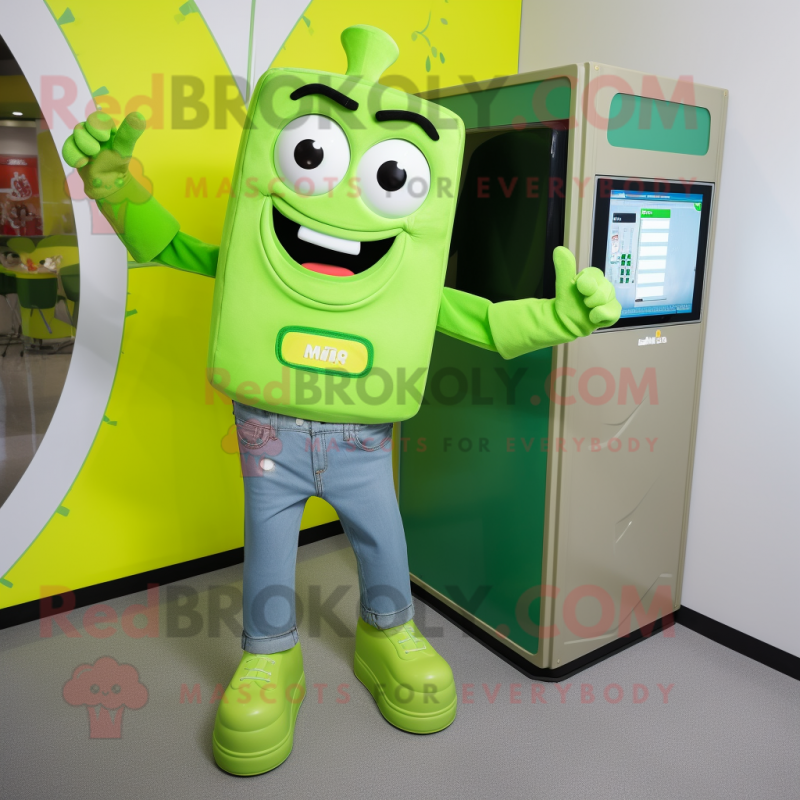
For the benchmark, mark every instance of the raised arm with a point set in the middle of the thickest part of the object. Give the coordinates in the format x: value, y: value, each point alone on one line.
x: 101, y: 154
x: 584, y: 302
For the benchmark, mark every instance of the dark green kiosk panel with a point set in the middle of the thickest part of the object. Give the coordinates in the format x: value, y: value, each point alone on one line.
x: 472, y: 475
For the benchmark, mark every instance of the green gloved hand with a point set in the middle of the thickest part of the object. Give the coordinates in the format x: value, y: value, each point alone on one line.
x: 101, y: 152
x: 584, y: 301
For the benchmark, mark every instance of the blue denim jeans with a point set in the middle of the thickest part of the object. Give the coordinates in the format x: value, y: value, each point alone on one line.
x: 284, y: 462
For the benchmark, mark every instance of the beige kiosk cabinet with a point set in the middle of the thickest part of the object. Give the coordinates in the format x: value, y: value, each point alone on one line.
x: 551, y: 553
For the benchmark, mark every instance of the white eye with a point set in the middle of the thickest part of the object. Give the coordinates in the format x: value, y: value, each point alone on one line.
x: 394, y: 178
x: 312, y: 154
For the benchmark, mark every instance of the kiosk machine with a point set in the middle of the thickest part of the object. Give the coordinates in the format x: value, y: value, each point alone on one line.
x: 546, y: 498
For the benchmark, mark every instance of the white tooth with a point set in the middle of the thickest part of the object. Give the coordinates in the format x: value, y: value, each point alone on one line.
x: 330, y: 242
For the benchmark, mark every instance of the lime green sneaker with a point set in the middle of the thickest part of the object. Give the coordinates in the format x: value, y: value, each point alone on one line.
x: 254, y: 729
x: 411, y: 683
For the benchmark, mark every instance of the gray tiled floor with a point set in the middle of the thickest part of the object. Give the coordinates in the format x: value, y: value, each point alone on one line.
x: 30, y: 388
x: 730, y: 728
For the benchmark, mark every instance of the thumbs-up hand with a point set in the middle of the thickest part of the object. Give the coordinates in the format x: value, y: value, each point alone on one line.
x: 101, y: 153
x: 584, y: 301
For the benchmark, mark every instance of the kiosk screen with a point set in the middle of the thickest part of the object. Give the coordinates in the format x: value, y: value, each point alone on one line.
x: 650, y: 240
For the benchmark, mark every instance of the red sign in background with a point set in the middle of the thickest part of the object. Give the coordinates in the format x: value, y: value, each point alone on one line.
x: 20, y: 204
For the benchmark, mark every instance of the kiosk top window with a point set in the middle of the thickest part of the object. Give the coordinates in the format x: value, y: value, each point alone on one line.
x: 510, y: 214
x: 650, y: 240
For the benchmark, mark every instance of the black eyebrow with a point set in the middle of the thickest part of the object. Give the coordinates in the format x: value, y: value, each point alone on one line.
x: 409, y: 116
x: 327, y: 91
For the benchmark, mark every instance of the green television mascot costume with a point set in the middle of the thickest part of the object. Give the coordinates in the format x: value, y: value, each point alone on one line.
x: 330, y: 280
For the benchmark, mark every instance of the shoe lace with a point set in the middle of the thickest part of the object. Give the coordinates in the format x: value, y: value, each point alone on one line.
x: 412, y: 637
x: 258, y: 660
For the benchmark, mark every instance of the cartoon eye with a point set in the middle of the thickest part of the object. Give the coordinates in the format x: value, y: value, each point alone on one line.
x: 312, y: 154
x: 116, y: 688
x: 94, y: 688
x: 394, y: 178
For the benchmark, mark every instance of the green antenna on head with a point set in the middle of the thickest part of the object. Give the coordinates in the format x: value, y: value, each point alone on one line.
x: 370, y: 51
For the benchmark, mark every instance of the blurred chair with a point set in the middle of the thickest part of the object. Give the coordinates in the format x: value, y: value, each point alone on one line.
x: 69, y: 289
x: 36, y: 292
x: 8, y: 291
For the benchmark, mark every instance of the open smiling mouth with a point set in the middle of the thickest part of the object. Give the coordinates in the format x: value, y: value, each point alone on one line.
x: 328, y: 255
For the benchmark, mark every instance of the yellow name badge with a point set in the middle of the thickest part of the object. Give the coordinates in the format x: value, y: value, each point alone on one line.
x: 328, y: 352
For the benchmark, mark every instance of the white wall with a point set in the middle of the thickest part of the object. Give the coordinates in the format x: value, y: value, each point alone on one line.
x: 744, y: 529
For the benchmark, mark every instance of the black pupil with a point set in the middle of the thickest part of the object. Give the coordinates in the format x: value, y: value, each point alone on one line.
x: 308, y: 154
x: 391, y: 177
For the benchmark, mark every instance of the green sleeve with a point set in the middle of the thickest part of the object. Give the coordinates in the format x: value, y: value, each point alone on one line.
x: 142, y: 223
x: 511, y: 328
x: 151, y: 233
x: 190, y: 254
x: 466, y: 317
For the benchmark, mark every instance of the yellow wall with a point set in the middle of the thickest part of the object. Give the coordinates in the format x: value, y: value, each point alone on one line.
x: 158, y: 487
x: 57, y: 217
x: 479, y: 38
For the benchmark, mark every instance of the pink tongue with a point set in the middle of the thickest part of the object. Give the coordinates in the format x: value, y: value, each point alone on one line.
x: 328, y: 269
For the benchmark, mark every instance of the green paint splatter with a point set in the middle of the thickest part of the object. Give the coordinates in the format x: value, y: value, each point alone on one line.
x: 6, y: 583
x: 109, y: 421
x: 100, y: 92
x: 131, y: 312
x: 422, y: 32
x: 433, y: 50
x: 189, y: 8
x: 66, y: 17
x: 306, y: 20
x: 63, y: 511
